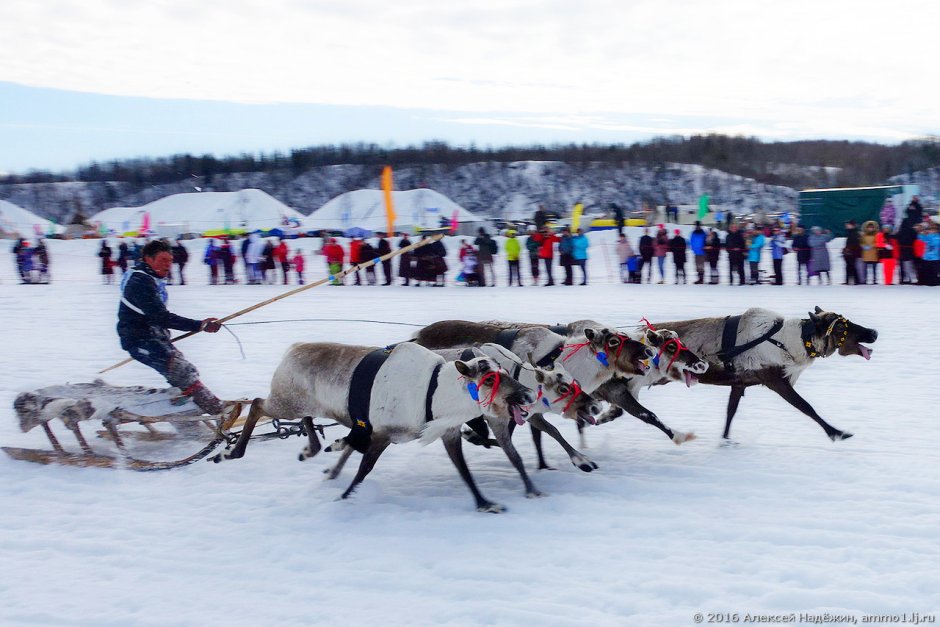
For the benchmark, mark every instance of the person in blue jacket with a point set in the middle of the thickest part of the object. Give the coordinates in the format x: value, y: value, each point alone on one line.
x: 930, y: 236
x: 697, y: 244
x: 778, y: 248
x: 755, y: 246
x: 144, y: 323
x: 579, y: 246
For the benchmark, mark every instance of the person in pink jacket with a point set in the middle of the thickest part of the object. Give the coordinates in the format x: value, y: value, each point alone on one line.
x: 298, y: 262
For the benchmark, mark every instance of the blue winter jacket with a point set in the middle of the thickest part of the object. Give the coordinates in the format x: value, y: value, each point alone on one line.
x: 932, y: 240
x: 778, y: 244
x: 142, y: 314
x: 579, y: 246
x: 757, y: 243
x: 697, y: 242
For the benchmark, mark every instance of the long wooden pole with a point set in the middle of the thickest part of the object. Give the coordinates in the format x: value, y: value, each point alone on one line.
x: 339, y: 275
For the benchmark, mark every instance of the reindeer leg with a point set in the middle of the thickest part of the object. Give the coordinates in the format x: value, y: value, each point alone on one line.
x: 504, y: 437
x: 238, y: 451
x: 539, y: 424
x: 372, y: 454
x: 737, y: 391
x: 782, y: 387
x: 582, y: 440
x: 537, y: 441
x: 452, y: 443
x: 333, y: 472
x: 313, y: 446
x: 617, y: 393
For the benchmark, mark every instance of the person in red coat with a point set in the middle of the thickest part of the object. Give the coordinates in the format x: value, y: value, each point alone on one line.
x: 280, y: 256
x: 334, y: 259
x: 888, y: 252
x: 547, y: 240
x: 355, y: 256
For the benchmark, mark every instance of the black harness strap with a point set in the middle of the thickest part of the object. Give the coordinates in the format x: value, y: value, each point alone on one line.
x: 560, y: 329
x: 506, y: 337
x: 429, y: 397
x: 550, y: 358
x: 360, y: 397
x: 729, y: 336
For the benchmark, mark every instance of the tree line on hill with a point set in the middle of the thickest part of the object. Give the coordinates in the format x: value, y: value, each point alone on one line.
x: 794, y: 164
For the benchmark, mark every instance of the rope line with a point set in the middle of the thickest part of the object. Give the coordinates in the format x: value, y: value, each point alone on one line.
x: 404, y: 324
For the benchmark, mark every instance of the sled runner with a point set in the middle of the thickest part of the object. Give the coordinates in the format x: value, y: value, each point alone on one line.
x: 137, y: 421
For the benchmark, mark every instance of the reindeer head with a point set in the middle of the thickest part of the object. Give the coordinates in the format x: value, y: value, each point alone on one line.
x: 833, y: 332
x: 621, y: 353
x: 562, y: 395
x: 674, y: 360
x: 497, y: 393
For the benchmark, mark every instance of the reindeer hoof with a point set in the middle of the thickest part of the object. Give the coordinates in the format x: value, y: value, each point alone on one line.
x: 583, y: 463
x: 337, y: 445
x: 679, y: 438
x: 842, y: 435
x: 729, y: 444
x: 535, y: 494
x: 547, y: 467
x: 491, y: 508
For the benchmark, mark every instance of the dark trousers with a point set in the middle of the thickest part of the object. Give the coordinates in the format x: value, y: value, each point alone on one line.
x: 851, y: 272
x: 548, y: 271
x: 569, y: 272
x: 514, y: 272
x: 755, y: 272
x: 582, y: 263
x: 736, y: 266
x: 387, y: 271
x: 778, y: 271
x: 649, y: 273
x: 802, y: 272
x: 680, y: 274
x: 713, y: 265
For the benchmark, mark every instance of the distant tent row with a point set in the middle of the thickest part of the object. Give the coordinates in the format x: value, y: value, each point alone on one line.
x: 18, y: 222
x: 204, y: 213
x: 218, y: 213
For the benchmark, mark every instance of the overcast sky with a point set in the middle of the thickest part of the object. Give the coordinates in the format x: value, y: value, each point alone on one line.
x: 99, y: 79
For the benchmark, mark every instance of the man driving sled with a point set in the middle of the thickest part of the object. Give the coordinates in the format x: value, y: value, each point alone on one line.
x: 144, y: 323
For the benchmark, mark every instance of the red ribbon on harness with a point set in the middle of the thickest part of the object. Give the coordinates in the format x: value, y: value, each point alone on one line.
x: 494, y: 375
x: 679, y: 348
x: 574, y: 390
x: 576, y: 348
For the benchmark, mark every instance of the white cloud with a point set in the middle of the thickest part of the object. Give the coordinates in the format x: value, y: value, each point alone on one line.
x: 822, y: 65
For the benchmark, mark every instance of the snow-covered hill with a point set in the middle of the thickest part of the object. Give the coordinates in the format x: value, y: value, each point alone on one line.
x: 507, y: 190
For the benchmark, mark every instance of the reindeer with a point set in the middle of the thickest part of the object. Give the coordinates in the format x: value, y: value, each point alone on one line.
x: 592, y: 354
x: 557, y: 392
x: 405, y: 391
x: 761, y: 347
x: 671, y: 361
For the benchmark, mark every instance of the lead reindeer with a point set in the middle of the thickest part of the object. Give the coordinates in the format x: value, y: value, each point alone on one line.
x: 761, y: 347
x: 409, y: 388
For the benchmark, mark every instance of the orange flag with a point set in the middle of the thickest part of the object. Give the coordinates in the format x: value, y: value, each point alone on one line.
x: 389, y: 205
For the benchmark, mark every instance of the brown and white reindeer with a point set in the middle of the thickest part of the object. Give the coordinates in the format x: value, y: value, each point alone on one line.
x: 385, y: 397
x: 593, y: 355
x: 761, y: 347
x: 670, y: 359
x: 558, y: 393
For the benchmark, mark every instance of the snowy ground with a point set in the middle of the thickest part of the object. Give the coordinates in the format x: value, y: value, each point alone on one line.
x: 785, y: 522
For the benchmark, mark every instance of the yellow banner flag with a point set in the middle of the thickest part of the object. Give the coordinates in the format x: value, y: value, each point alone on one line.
x: 576, y: 217
x: 389, y: 205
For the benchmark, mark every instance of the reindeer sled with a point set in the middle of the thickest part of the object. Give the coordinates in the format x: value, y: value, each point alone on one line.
x: 138, y: 423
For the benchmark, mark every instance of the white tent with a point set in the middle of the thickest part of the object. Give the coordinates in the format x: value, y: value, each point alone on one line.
x: 365, y: 209
x: 201, y: 212
x: 16, y: 221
